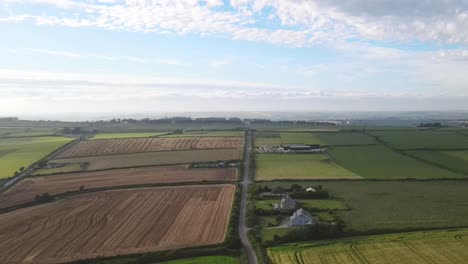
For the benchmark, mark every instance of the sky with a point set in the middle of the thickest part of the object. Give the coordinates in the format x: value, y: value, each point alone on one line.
x: 152, y: 56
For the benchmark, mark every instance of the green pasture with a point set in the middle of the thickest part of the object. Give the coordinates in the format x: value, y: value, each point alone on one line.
x: 423, y: 139
x: 208, y: 134
x: 22, y: 152
x: 298, y: 166
x: 380, y: 162
x: 453, y: 160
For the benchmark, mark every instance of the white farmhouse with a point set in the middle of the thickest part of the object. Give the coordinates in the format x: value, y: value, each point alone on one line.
x: 301, y: 218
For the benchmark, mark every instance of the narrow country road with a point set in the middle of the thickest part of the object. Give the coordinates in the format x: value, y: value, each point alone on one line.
x: 243, y: 210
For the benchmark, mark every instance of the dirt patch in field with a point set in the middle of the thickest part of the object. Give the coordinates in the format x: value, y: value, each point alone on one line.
x: 116, y: 223
x: 27, y: 189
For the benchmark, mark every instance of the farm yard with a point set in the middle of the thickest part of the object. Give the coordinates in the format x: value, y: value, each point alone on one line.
x: 298, y: 166
x: 116, y: 223
x: 27, y: 189
x: 444, y: 246
x: 138, y: 145
x: 152, y: 158
x: 24, y: 151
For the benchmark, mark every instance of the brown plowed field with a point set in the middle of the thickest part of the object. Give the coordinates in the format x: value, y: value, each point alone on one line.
x: 27, y: 189
x: 155, y: 158
x: 116, y: 223
x: 137, y: 145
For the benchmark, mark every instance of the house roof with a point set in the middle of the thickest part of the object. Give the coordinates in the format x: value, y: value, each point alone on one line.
x: 302, y: 212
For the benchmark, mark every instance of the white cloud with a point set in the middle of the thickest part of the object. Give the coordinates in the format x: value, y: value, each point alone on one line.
x: 300, y: 22
x: 221, y: 63
x: 77, y: 55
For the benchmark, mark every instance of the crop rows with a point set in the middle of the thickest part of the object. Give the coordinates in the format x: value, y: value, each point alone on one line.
x: 115, y: 223
x: 136, y: 145
x: 445, y: 248
x: 154, y: 158
x: 27, y: 189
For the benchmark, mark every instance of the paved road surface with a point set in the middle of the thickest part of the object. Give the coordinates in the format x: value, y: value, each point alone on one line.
x: 243, y: 210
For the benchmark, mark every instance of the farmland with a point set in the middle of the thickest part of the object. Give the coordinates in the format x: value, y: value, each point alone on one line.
x: 398, y: 205
x: 446, y: 246
x: 298, y: 166
x: 205, y: 260
x: 345, y: 138
x: 201, y: 133
x: 138, y: 145
x: 26, y: 131
x: 27, y: 189
x: 153, y: 158
x: 380, y: 162
x: 116, y: 223
x: 441, y: 140
x: 127, y: 135
x: 23, y: 152
x: 452, y: 160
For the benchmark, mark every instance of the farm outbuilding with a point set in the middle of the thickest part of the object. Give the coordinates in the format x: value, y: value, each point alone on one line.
x: 286, y: 203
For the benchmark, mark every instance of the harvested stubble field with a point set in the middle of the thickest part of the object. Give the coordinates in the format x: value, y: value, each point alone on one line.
x: 153, y: 158
x: 448, y: 246
x: 116, y: 223
x: 27, y: 189
x: 137, y: 145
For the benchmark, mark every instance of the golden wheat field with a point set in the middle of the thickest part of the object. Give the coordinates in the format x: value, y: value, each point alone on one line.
x: 448, y: 246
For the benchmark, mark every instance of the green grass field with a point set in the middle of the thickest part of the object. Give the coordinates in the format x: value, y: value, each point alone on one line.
x: 380, y: 162
x: 127, y: 135
x: 300, y: 138
x: 22, y: 152
x: 268, y: 221
x: 209, y: 134
x: 430, y: 139
x: 397, y: 205
x: 443, y: 246
x: 322, y: 204
x: 298, y: 166
x: 205, y: 260
x: 458, y: 154
x: 330, y: 138
x: 26, y: 131
x: 457, y: 161
x: 345, y: 138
